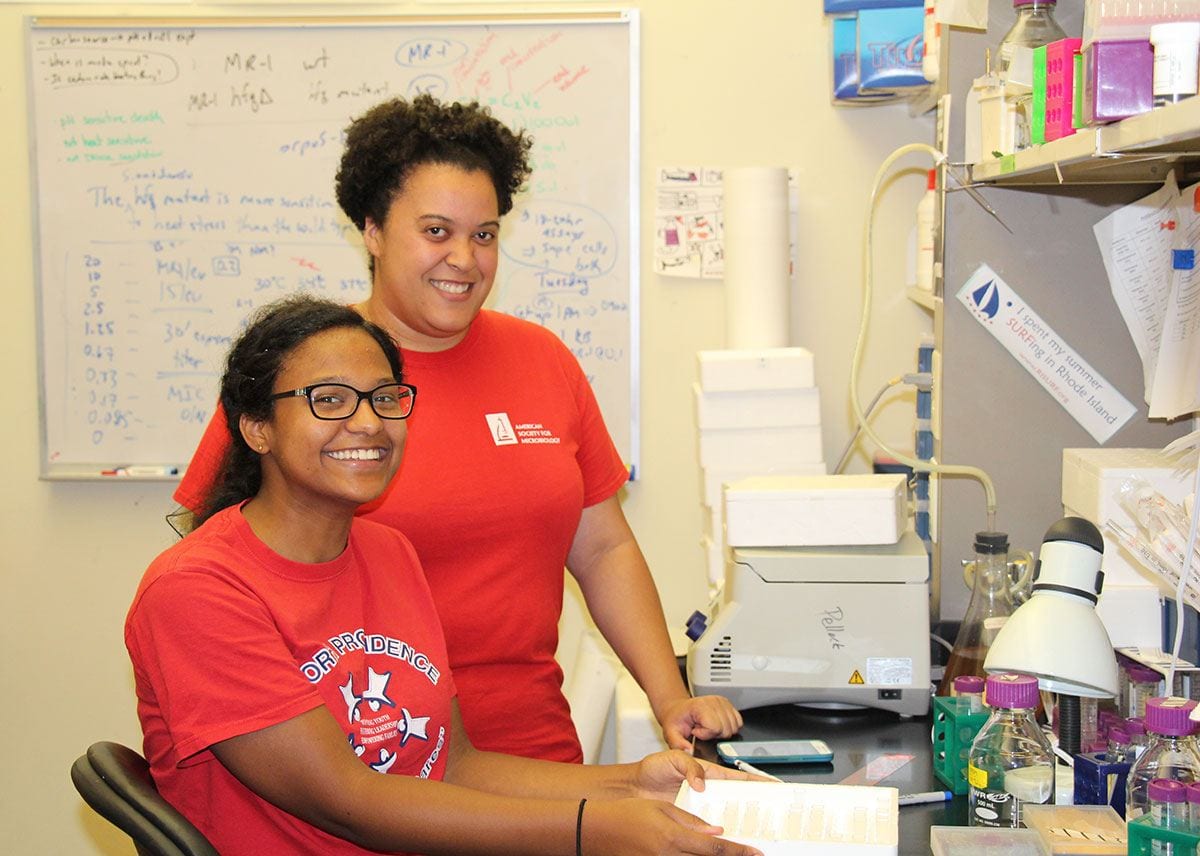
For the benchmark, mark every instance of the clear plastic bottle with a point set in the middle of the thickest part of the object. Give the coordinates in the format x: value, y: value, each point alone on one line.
x: 968, y: 689
x: 1011, y: 760
x: 1035, y: 26
x: 1170, y: 753
x: 1136, y: 726
x: 1118, y: 750
x: 1169, y: 809
x: 1193, y: 800
x: 990, y: 606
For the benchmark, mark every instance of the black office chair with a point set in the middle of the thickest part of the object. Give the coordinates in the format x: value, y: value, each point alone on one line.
x: 115, y: 781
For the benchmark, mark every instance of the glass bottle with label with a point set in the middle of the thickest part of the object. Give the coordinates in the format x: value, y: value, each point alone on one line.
x: 1170, y: 752
x: 1035, y: 26
x: 1011, y: 761
x: 990, y: 606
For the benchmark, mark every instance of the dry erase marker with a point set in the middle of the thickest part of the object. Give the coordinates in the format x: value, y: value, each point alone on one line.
x: 927, y: 797
x: 750, y: 768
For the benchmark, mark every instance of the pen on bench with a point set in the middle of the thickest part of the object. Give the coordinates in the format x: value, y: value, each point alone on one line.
x: 750, y: 768
x: 927, y: 797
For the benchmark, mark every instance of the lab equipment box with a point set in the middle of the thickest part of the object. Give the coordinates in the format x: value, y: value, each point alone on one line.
x: 838, y: 6
x: 842, y: 625
x: 891, y: 47
x: 1078, y: 830
x: 805, y: 511
x: 760, y: 448
x: 985, y: 841
x: 755, y: 368
x: 1118, y: 80
x: 756, y: 408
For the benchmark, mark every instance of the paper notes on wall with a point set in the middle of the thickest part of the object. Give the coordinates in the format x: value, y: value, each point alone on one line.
x: 1149, y: 250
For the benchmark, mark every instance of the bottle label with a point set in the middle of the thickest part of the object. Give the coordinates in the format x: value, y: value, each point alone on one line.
x: 992, y: 808
x: 976, y: 777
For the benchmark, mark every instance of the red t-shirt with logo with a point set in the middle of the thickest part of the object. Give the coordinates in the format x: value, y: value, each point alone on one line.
x: 505, y: 449
x: 227, y: 637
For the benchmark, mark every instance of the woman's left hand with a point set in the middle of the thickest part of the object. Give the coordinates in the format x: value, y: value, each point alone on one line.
x: 659, y: 775
x: 703, y: 718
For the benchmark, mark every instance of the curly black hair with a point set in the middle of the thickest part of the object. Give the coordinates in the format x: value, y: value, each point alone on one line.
x: 251, y: 368
x: 385, y: 144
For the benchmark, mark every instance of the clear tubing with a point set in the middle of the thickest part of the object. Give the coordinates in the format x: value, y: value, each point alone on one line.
x: 917, y: 465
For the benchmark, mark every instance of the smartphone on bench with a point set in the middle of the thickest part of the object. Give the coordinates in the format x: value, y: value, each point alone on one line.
x: 775, y: 751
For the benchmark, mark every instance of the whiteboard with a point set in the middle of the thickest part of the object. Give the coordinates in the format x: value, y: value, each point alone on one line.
x: 183, y: 175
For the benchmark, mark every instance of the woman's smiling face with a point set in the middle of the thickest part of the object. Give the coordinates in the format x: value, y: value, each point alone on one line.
x: 315, y: 462
x: 435, y: 256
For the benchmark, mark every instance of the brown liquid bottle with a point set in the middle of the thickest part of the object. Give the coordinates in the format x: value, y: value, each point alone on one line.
x: 990, y: 606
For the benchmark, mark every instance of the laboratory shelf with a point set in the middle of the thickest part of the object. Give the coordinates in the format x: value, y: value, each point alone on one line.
x: 1142, y: 149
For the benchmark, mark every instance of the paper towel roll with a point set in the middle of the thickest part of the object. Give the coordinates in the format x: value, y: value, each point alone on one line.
x: 757, y: 257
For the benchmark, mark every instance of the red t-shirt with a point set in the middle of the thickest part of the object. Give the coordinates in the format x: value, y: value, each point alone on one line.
x: 505, y: 449
x: 227, y: 637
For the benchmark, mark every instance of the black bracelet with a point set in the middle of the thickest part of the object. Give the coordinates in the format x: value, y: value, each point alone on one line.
x: 579, y: 828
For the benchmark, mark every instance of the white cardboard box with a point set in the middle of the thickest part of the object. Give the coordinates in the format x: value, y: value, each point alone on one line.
x: 1091, y: 481
x: 715, y: 478
x: 756, y: 368
x: 811, y: 511
x: 756, y: 408
x: 760, y: 448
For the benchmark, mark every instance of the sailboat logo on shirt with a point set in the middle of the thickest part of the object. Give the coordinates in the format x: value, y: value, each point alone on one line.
x: 502, y: 429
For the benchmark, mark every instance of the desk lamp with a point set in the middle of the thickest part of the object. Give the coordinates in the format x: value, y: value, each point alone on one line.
x: 1056, y: 636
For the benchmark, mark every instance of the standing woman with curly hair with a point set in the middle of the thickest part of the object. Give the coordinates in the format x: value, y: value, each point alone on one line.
x: 493, y: 519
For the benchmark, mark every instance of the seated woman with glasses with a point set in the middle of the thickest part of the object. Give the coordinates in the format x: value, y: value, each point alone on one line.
x: 286, y: 653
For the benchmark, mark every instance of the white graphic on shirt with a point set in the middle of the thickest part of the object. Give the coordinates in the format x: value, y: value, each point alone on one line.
x: 377, y: 727
x: 501, y: 428
x: 375, y: 696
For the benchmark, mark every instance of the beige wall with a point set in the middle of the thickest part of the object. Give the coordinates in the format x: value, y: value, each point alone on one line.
x: 719, y: 87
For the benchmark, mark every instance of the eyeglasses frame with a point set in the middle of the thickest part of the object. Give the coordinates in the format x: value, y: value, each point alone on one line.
x: 305, y: 392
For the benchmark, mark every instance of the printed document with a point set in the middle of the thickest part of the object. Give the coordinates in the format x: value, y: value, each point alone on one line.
x: 793, y: 819
x: 1148, y: 248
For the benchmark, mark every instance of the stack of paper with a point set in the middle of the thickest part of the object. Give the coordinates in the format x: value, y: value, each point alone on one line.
x: 1149, y: 251
x: 792, y: 819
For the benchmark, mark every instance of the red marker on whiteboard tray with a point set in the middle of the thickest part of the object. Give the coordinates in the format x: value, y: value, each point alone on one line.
x: 141, y: 471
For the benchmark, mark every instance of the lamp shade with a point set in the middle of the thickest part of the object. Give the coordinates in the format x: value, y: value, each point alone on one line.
x: 1056, y: 635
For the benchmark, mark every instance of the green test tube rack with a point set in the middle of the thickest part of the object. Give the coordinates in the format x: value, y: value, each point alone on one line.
x: 1143, y: 832
x: 954, y: 727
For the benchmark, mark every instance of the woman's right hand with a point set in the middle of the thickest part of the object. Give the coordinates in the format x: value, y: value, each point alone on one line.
x: 633, y: 827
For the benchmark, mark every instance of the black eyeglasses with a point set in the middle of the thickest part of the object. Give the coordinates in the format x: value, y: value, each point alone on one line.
x: 335, y: 401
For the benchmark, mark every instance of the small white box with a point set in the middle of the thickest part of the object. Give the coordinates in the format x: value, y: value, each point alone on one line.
x: 715, y: 478
x: 757, y: 408
x: 1091, y: 483
x: 760, y: 448
x: 813, y: 511
x: 1132, y: 615
x: 756, y: 368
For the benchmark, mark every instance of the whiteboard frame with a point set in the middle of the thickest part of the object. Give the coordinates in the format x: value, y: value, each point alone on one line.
x: 171, y: 471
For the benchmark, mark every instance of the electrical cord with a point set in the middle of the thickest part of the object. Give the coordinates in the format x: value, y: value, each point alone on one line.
x: 860, y: 344
x: 921, y: 380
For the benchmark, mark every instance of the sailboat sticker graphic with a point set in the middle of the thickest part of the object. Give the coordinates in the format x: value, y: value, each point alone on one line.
x: 987, y: 299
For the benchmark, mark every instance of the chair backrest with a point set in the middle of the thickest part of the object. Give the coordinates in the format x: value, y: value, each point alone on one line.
x: 115, y: 781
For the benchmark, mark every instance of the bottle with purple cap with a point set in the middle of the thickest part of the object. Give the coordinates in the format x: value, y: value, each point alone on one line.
x: 1170, y: 753
x: 1011, y: 761
x: 968, y: 689
x: 1169, y: 810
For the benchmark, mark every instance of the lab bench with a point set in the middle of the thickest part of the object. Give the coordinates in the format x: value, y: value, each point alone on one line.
x: 864, y: 738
